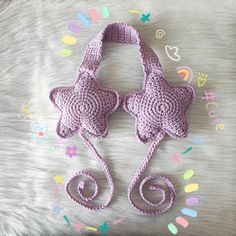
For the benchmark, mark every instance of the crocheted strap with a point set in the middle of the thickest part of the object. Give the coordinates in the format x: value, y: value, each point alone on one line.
x: 167, y: 197
x: 123, y: 33
x: 81, y: 185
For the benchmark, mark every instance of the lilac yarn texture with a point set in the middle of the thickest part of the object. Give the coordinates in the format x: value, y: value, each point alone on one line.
x: 158, y: 109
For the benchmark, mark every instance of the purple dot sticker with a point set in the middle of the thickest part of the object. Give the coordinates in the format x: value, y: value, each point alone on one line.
x: 74, y: 28
x: 191, y: 201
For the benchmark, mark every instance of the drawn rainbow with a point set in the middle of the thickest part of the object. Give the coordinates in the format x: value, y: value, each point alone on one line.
x: 185, y: 72
x: 189, y: 201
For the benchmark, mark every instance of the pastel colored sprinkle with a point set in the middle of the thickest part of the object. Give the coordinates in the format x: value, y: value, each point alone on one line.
x: 83, y: 20
x: 71, y: 40
x: 191, y: 201
x: 74, y: 28
x: 66, y: 219
x: 115, y: 222
x: 187, y: 150
x: 105, y: 12
x: 188, y: 174
x: 65, y: 52
x: 91, y: 228
x: 189, y: 212
x: 93, y: 15
x: 191, y: 188
x: 181, y: 221
x: 134, y: 11
x: 172, y: 228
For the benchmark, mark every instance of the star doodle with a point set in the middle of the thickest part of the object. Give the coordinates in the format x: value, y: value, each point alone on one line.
x: 84, y: 107
x: 78, y: 227
x: 159, y: 108
x: 58, y: 179
x: 104, y: 227
x: 57, y: 209
x: 175, y: 158
x: 145, y: 18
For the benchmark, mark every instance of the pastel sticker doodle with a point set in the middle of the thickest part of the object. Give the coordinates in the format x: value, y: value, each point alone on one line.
x: 71, y: 40
x: 93, y: 14
x: 145, y: 17
x: 57, y: 209
x: 78, y: 227
x: 105, y: 12
x: 201, y: 79
x: 104, y: 228
x: 65, y: 52
x: 187, y: 150
x: 181, y: 221
x: 58, y: 179
x: 186, y: 73
x: 40, y: 133
x: 191, y: 188
x: 197, y: 140
x: 188, y: 174
x: 191, y: 201
x: 74, y: 28
x: 83, y: 20
x: 67, y: 220
x: 172, y: 52
x: 91, y: 228
x: 172, y: 228
x: 160, y: 33
x: 115, y: 222
x: 71, y: 151
x: 189, y: 212
x: 134, y: 11
x: 175, y: 158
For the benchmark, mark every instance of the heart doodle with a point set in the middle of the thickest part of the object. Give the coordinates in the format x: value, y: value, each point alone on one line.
x: 201, y: 79
x: 172, y: 53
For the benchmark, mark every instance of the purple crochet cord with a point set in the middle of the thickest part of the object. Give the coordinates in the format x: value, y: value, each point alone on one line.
x: 158, y: 109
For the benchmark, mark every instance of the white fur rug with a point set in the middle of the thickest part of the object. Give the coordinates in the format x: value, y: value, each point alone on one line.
x: 30, y: 41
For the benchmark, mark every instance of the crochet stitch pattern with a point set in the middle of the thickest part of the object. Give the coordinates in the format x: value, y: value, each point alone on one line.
x: 158, y: 109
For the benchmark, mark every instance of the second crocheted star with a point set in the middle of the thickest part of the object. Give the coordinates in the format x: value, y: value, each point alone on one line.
x: 159, y: 106
x: 84, y: 107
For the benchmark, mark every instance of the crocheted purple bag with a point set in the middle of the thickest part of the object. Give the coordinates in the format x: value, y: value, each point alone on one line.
x: 158, y: 109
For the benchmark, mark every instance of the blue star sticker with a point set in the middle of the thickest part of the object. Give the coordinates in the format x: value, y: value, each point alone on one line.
x: 104, y: 228
x: 145, y: 18
x: 57, y: 209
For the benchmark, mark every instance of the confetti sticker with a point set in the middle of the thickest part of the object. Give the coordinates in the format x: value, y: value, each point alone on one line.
x: 93, y: 15
x: 115, y: 222
x: 191, y: 201
x: 74, y: 28
x: 191, y: 188
x: 58, y: 179
x: 189, y: 212
x: 187, y: 150
x: 83, y: 20
x: 181, y: 221
x: 71, y: 40
x: 188, y: 174
x: 134, y: 11
x: 91, y: 228
x: 172, y: 228
x: 65, y: 52
x: 66, y: 219
x: 105, y: 12
x: 144, y: 18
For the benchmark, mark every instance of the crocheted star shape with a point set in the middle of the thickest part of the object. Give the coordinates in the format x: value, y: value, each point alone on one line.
x: 84, y: 107
x: 159, y: 106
